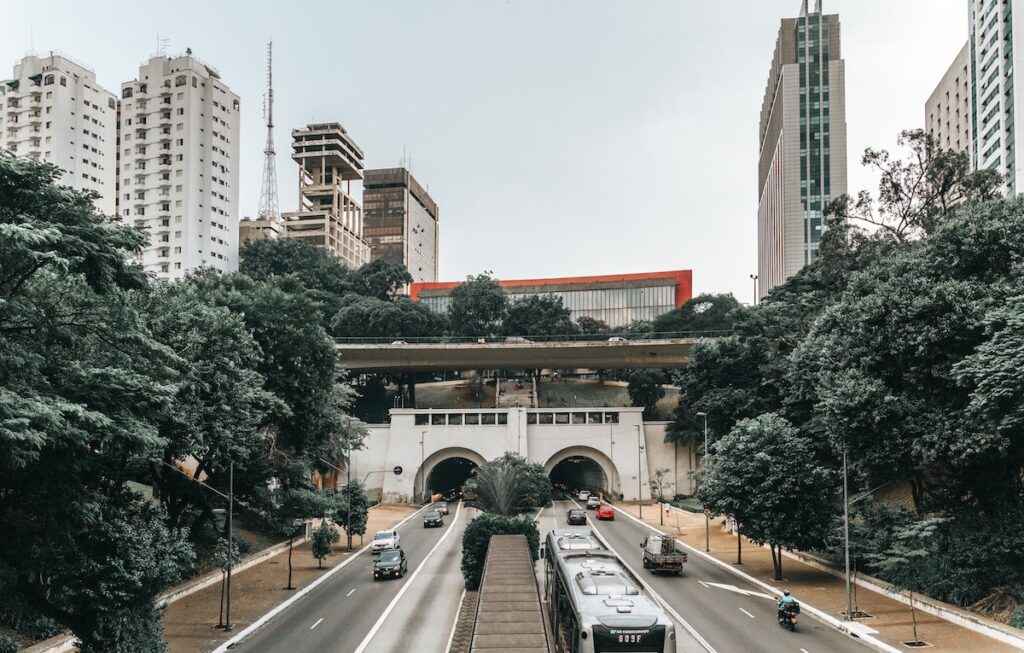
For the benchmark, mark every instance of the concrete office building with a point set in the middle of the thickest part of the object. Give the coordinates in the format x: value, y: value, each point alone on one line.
x: 994, y: 26
x: 618, y: 300
x: 53, y: 110
x: 947, y: 112
x: 252, y: 229
x: 179, y: 163
x: 329, y: 215
x: 400, y: 221
x: 802, y: 144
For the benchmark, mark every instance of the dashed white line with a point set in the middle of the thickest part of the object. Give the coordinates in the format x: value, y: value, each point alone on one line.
x: 803, y: 650
x: 746, y: 613
x: 704, y: 585
x: 350, y: 592
x: 318, y: 622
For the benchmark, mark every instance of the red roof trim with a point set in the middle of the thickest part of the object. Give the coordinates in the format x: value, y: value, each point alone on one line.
x: 683, y: 282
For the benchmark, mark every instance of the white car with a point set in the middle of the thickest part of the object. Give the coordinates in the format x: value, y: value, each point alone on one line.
x: 617, y: 340
x: 583, y: 495
x: 399, y: 342
x: 385, y: 540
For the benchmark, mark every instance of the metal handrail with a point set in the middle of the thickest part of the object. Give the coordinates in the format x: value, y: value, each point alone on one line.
x: 530, y: 339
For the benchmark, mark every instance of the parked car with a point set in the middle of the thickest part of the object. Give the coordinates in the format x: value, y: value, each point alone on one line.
x: 576, y: 517
x: 399, y: 342
x: 593, y: 502
x: 583, y: 495
x: 618, y: 340
x: 385, y: 540
x: 517, y: 339
x: 441, y: 507
x: 661, y: 553
x: 432, y: 518
x: 390, y: 564
x: 605, y: 512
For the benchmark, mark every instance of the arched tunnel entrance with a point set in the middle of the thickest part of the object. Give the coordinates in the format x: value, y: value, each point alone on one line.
x: 448, y: 476
x: 578, y: 473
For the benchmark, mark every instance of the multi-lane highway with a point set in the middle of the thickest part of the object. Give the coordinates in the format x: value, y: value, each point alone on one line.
x: 728, y: 613
x: 352, y: 613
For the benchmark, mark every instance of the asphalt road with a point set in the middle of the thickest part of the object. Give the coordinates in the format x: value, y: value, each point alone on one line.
x: 740, y: 619
x: 339, y: 614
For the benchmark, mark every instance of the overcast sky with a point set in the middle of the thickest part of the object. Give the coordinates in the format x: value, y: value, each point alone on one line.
x: 564, y: 137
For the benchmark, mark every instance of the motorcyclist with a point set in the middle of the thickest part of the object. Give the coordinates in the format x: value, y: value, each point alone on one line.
x: 787, y: 602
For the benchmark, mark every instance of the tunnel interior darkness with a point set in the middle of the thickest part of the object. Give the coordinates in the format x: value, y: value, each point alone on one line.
x: 450, y: 474
x: 577, y: 473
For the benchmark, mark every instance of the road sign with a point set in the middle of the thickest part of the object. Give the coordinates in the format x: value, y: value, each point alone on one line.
x: 398, y: 470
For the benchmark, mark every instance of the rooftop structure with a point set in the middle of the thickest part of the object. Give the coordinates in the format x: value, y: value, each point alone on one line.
x: 401, y: 221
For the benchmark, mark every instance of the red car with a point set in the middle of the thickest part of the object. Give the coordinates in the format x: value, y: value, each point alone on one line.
x: 604, y: 511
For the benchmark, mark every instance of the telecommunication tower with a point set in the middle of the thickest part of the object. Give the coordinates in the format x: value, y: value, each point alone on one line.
x: 268, y: 207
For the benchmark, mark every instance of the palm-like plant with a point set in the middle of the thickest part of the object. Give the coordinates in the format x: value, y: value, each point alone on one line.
x: 500, y: 487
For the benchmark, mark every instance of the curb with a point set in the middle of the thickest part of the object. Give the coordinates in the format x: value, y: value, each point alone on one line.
x: 284, y: 605
x: 818, y: 614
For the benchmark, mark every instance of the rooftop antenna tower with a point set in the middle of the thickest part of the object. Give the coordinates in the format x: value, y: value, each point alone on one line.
x: 268, y: 207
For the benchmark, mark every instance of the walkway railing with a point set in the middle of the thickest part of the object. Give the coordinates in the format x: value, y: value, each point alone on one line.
x: 515, y: 340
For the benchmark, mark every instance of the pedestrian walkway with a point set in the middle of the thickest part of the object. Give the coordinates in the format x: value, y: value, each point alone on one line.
x: 891, y: 619
x: 190, y: 623
x: 509, y: 616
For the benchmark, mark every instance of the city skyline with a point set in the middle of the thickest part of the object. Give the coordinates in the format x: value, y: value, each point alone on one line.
x: 536, y: 164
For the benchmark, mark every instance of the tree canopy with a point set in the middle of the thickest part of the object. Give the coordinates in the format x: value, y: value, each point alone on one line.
x: 537, y: 315
x: 477, y: 307
x: 702, y: 313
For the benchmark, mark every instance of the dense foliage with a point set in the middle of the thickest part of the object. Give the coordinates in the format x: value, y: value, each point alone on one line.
x: 901, y: 346
x: 109, y: 383
x: 510, y: 485
x: 477, y: 537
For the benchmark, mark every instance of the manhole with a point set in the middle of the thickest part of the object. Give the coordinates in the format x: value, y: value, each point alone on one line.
x: 917, y: 644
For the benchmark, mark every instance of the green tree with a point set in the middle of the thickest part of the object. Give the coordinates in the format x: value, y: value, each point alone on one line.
x: 538, y: 315
x: 702, y: 313
x: 322, y: 274
x: 591, y: 326
x: 323, y: 538
x: 352, y: 510
x: 645, y: 390
x: 361, y: 316
x: 765, y: 475
x: 918, y: 192
x: 379, y: 279
x: 510, y: 485
x: 477, y: 307
x: 906, y: 560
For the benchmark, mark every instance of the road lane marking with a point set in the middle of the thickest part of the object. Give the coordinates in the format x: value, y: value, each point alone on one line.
x: 852, y: 629
x: 705, y: 585
x: 740, y: 590
x: 657, y: 597
x: 350, y: 592
x: 803, y: 650
x: 248, y: 630
x: 405, y: 586
x: 318, y: 622
x: 455, y: 622
x: 746, y: 613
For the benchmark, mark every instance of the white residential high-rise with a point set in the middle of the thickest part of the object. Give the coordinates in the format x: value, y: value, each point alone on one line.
x: 947, y: 113
x: 53, y: 110
x: 179, y: 161
x: 994, y: 35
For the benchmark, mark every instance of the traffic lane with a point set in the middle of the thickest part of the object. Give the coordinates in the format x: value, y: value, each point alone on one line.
x: 685, y: 642
x: 427, y: 611
x: 336, y: 615
x: 729, y: 620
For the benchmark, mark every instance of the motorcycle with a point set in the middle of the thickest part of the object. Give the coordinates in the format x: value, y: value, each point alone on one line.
x: 788, y: 614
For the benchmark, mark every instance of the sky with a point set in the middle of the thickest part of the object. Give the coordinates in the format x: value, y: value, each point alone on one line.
x: 559, y: 137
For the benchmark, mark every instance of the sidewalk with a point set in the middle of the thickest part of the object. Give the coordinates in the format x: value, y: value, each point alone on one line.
x: 824, y: 591
x: 189, y: 624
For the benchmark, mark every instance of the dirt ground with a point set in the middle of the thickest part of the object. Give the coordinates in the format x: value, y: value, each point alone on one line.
x: 824, y: 591
x: 190, y: 624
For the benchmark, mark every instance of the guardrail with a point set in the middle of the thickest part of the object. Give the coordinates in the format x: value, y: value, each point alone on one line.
x: 529, y: 339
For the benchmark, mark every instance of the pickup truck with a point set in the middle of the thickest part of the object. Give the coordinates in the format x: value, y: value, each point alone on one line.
x: 661, y: 553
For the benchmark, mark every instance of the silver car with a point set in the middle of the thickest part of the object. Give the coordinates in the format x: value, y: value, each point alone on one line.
x: 385, y: 540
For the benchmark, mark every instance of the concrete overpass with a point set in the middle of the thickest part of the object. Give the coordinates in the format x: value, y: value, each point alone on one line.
x: 517, y: 353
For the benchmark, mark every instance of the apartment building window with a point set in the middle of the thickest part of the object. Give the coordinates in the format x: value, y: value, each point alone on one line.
x: 180, y: 80
x: 126, y: 92
x: 48, y: 80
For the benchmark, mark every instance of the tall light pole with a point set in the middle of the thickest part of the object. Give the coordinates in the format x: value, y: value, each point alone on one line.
x: 707, y: 520
x: 846, y: 539
x: 423, y: 472
x: 754, y: 278
x: 639, y: 481
x: 231, y: 512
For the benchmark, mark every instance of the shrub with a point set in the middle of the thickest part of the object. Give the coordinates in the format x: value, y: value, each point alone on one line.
x: 323, y: 538
x: 1017, y: 618
x: 478, y: 536
x: 7, y: 644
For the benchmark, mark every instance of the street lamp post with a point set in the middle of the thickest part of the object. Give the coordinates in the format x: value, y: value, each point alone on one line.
x: 423, y: 475
x: 639, y: 467
x: 754, y: 278
x: 846, y: 539
x: 707, y: 520
x: 231, y: 511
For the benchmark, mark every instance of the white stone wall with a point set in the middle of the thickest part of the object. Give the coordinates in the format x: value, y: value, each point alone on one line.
x: 613, y: 446
x: 420, y: 241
